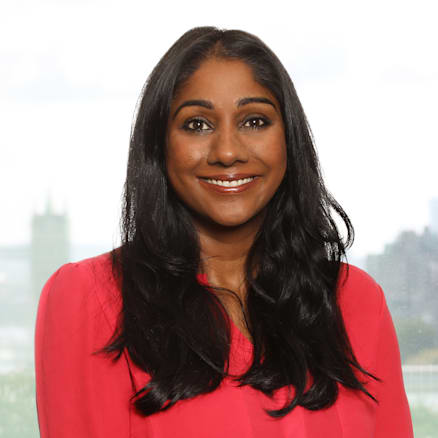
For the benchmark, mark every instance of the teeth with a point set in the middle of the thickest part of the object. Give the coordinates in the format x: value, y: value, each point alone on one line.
x: 234, y: 183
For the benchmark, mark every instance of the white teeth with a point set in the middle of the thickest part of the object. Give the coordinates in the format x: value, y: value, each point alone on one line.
x: 234, y: 183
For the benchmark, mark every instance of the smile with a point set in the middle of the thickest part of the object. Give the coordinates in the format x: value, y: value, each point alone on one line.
x: 234, y: 183
x: 230, y: 187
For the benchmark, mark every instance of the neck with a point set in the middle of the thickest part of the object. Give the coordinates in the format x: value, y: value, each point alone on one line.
x: 224, y: 251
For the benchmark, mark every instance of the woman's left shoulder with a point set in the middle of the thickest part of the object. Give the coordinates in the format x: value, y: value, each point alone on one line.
x: 362, y: 304
x: 358, y: 290
x: 363, y: 307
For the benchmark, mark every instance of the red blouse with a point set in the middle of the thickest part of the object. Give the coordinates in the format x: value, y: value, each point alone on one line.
x: 81, y: 394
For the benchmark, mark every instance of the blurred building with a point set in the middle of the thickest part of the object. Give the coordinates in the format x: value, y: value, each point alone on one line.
x: 50, y: 245
x: 24, y: 269
x: 407, y: 270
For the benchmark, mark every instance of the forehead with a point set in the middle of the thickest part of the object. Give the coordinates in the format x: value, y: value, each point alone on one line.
x: 221, y: 80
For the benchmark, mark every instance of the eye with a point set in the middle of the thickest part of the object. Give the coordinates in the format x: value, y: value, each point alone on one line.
x: 256, y: 123
x: 197, y: 125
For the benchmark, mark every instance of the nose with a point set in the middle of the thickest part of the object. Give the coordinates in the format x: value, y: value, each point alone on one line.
x: 227, y: 147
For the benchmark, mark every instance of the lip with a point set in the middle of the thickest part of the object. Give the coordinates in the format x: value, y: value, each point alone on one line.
x: 229, y: 177
x: 229, y: 190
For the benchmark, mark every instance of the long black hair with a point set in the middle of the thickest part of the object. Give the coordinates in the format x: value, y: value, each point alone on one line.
x: 171, y: 325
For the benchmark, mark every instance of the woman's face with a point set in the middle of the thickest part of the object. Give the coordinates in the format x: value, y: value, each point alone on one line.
x: 224, y: 126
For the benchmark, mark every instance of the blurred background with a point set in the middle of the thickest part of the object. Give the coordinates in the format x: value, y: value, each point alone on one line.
x: 70, y: 76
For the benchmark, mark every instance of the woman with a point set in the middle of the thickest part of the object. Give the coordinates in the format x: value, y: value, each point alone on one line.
x: 227, y: 310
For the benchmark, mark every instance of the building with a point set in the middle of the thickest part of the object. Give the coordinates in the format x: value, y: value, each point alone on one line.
x: 50, y: 245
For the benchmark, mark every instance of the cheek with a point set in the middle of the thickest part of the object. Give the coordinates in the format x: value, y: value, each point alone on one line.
x: 182, y: 158
x: 274, y: 154
x: 279, y: 152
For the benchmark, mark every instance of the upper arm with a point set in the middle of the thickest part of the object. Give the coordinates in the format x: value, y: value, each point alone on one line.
x: 79, y: 393
x: 373, y: 338
x: 392, y: 412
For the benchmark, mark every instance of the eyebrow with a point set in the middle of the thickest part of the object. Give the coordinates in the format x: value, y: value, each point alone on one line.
x: 207, y: 104
x: 247, y: 100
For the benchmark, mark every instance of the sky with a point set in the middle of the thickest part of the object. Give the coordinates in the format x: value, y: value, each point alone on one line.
x: 71, y: 73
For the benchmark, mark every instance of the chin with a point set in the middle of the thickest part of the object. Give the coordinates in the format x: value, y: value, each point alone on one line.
x: 226, y: 219
x: 232, y: 221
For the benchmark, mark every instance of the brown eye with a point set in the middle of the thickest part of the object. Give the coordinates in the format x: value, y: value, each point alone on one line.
x: 256, y: 123
x: 197, y: 125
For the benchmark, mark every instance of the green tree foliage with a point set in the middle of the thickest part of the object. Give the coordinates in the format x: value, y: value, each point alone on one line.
x: 407, y: 270
x: 414, y: 336
x: 426, y: 356
x: 425, y: 422
x: 17, y: 406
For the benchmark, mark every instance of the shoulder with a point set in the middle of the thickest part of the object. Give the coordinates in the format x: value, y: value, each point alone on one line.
x: 362, y: 302
x: 87, y: 284
x: 358, y: 290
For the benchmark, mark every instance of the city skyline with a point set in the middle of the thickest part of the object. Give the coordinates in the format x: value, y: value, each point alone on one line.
x: 353, y: 255
x: 431, y: 223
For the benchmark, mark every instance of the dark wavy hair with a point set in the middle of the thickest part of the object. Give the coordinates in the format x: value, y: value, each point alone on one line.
x: 176, y: 329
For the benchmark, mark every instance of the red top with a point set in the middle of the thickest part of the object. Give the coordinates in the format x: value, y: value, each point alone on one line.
x: 81, y: 395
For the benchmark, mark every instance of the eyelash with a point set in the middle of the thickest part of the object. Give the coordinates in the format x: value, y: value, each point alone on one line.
x: 265, y: 124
